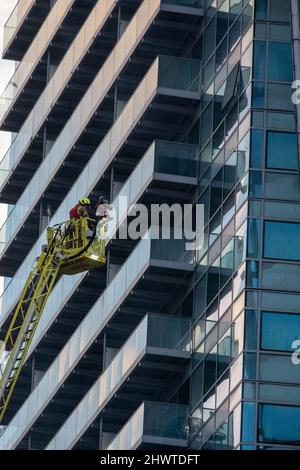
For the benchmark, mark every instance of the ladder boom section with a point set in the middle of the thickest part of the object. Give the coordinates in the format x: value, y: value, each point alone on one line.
x: 72, y: 247
x: 24, y: 323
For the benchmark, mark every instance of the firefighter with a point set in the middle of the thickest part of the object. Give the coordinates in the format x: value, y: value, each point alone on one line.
x: 81, y: 209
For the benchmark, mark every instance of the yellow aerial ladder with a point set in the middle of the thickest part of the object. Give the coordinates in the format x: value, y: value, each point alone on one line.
x: 72, y: 247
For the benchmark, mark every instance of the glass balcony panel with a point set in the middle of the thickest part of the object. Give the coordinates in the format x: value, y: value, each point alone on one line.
x: 165, y: 420
x: 131, y: 34
x: 153, y: 7
x: 116, y: 370
x: 63, y: 361
x: 97, y: 315
x: 16, y: 19
x: 32, y: 406
x: 89, y: 27
x: 108, y: 299
x: 36, y: 49
x: 159, y: 334
x: 60, y: 440
x: 128, y: 355
x: 93, y: 397
x: 171, y: 249
x: 78, y: 47
x: 132, y: 271
x: 179, y: 74
x: 125, y: 438
x: 137, y: 426
x: 107, y: 382
x: 43, y: 390
x: 132, y: 110
x: 143, y: 12
x: 104, y: 150
x: 108, y: 73
x: 53, y: 379
x: 126, y: 119
x: 56, y: 84
x: 138, y: 101
x: 85, y: 332
x: 69, y: 430
x: 116, y: 135
x: 67, y: 64
x: 176, y: 159
x: 82, y: 413
x: 122, y: 282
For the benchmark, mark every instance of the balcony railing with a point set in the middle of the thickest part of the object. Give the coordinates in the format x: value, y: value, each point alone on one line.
x: 169, y: 73
x: 16, y: 19
x: 156, y: 159
x: 172, y: 336
x: 153, y: 422
x: 105, y: 78
x: 35, y: 51
x: 151, y: 332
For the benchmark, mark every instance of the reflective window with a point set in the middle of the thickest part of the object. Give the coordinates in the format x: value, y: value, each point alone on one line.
x: 279, y: 424
x: 248, y: 423
x: 197, y: 385
x: 279, y: 393
x: 277, y: 368
x: 282, y: 150
x: 231, y: 89
x: 282, y: 186
x: 280, y: 65
x: 253, y: 238
x: 210, y: 369
x: 279, y: 97
x: 229, y: 174
x: 251, y: 328
x: 261, y: 9
x: 279, y: 331
x: 255, y: 184
x: 259, y: 67
x: 283, y: 121
x: 213, y: 281
x: 250, y: 366
x: 258, y: 100
x: 257, y: 139
x: 216, y: 193
x: 280, y: 276
x: 282, y: 240
x: 280, y: 11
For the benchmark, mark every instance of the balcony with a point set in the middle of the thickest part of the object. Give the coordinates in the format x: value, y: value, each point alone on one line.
x: 153, y: 425
x: 54, y: 34
x: 152, y: 31
x: 22, y: 26
x: 162, y: 174
x: 153, y: 358
x: 162, y: 271
x: 168, y: 92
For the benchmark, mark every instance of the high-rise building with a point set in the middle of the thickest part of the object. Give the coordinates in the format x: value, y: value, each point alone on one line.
x: 161, y: 102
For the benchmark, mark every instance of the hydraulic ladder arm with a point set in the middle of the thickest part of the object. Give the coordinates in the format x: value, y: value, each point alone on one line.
x: 69, y: 251
x: 26, y: 317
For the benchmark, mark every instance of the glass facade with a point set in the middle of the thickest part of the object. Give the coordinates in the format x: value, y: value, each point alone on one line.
x: 210, y: 121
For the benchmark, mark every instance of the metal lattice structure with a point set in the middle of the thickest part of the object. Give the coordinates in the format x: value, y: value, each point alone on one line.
x: 69, y: 251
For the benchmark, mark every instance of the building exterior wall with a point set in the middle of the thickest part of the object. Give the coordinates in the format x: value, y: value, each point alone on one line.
x: 100, y: 366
